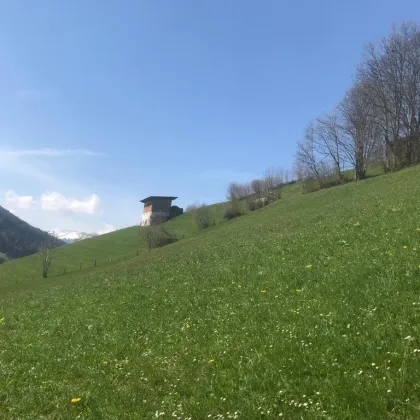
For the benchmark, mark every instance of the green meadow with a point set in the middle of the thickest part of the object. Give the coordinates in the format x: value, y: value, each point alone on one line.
x: 308, y: 308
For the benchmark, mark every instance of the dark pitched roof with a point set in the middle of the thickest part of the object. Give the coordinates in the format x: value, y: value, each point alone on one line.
x: 157, y: 196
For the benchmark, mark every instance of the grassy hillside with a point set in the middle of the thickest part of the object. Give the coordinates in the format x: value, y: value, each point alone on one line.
x: 308, y: 308
x: 105, y: 249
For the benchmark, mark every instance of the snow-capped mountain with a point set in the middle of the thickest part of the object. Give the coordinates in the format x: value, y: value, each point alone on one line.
x: 74, y: 236
x: 70, y: 236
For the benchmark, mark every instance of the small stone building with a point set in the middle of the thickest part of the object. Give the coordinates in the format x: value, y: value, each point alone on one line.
x: 159, y: 207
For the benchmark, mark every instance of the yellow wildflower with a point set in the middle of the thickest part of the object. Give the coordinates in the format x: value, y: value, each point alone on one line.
x: 187, y: 325
x: 309, y: 266
x: 263, y: 291
x: 211, y: 361
x: 75, y: 400
x: 405, y: 246
x: 104, y: 362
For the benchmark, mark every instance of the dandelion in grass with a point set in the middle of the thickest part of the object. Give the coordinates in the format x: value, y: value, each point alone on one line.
x: 309, y: 266
x: 75, y: 400
x: 187, y: 325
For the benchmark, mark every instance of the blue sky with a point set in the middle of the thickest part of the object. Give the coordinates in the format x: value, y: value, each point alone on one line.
x: 104, y: 103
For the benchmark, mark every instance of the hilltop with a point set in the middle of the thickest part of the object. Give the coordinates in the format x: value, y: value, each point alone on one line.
x: 306, y: 308
x: 18, y: 238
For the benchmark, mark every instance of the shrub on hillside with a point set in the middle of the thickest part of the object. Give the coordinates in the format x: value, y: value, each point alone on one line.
x: 156, y: 235
x: 273, y: 195
x: 191, y: 207
x: 233, y: 209
x: 202, y: 218
x: 310, y: 185
x: 254, y: 204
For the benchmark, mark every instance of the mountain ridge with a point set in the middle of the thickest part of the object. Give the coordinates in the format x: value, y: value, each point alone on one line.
x: 18, y: 238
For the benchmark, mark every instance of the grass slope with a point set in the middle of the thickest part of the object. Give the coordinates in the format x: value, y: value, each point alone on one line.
x: 105, y: 249
x: 308, y: 308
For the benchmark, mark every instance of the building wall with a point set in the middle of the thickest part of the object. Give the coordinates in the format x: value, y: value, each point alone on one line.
x: 161, y: 205
x: 147, y: 209
x: 146, y: 217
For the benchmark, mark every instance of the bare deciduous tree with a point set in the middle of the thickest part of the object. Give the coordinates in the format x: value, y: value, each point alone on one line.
x: 392, y: 72
x: 258, y: 188
x: 379, y: 117
x: 327, y: 139
x: 308, y: 164
x: 360, y: 131
x: 237, y: 191
x: 46, y: 252
x: 274, y: 178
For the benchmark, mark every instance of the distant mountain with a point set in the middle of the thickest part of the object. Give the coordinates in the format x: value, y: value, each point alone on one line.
x: 18, y: 238
x: 69, y: 236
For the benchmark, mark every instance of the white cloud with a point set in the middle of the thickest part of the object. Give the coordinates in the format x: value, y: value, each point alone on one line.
x: 52, y: 152
x: 54, y: 201
x: 14, y: 201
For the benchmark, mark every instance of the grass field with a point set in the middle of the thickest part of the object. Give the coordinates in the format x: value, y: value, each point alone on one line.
x: 308, y: 308
x: 105, y: 250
